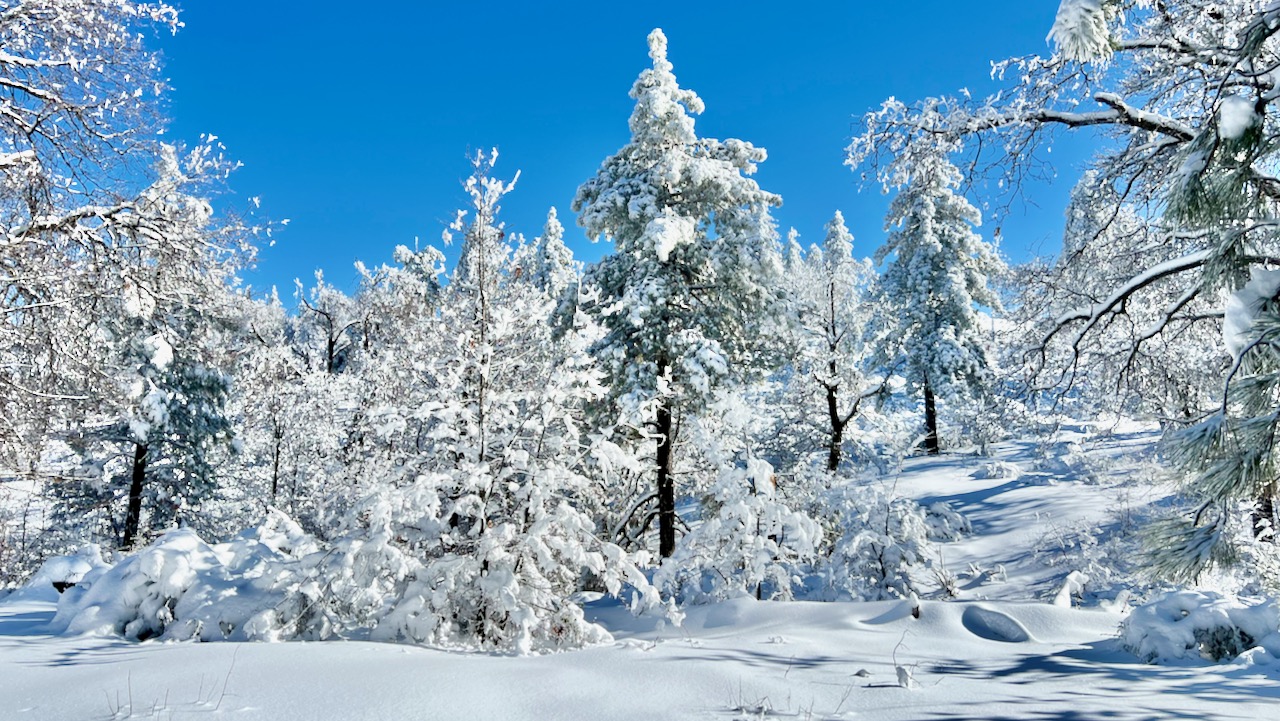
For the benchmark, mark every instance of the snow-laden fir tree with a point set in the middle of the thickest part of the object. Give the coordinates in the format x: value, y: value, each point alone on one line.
x: 936, y: 278
x: 478, y: 465
x: 692, y: 279
x: 552, y: 268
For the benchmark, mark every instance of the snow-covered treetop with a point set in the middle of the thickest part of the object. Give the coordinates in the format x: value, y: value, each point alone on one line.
x: 648, y: 191
x: 484, y: 239
x: 662, y: 106
x: 692, y: 232
x: 553, y: 268
x: 837, y: 248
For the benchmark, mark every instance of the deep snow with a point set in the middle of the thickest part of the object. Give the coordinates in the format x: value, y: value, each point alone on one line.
x: 1001, y: 650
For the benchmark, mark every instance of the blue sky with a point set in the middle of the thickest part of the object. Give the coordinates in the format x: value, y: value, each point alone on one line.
x: 354, y: 120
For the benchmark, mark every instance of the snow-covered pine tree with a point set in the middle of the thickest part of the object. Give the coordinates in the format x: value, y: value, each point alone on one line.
x: 158, y: 427
x: 692, y: 277
x: 836, y: 302
x: 479, y: 467
x: 553, y: 268
x: 1191, y: 129
x: 1231, y: 459
x: 937, y: 276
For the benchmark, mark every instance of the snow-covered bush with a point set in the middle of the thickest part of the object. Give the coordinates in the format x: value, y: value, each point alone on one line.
x: 944, y: 523
x: 881, y: 538
x: 750, y: 542
x: 1107, y: 553
x: 60, y: 572
x: 513, y: 590
x: 183, y: 588
x: 1201, y: 625
x: 1002, y: 470
x: 137, y: 597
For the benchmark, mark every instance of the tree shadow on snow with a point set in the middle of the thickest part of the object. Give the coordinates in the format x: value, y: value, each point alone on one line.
x: 1106, y: 672
x: 29, y: 623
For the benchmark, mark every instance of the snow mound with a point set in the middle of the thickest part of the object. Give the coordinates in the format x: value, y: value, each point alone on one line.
x: 909, y: 607
x: 998, y: 470
x: 68, y: 570
x: 1192, y: 625
x: 994, y: 625
x: 181, y: 588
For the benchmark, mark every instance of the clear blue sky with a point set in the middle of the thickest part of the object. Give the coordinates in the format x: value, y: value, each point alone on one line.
x: 353, y: 120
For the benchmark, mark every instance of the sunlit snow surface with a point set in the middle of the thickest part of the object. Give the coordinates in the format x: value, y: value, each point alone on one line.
x: 1001, y: 651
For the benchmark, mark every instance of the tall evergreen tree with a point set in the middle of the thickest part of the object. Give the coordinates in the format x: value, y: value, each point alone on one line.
x: 937, y: 277
x: 681, y: 298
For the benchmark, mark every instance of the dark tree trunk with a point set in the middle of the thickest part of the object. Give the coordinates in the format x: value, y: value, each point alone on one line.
x: 133, y: 516
x: 275, y: 469
x: 837, y: 430
x: 930, y: 420
x: 666, y: 484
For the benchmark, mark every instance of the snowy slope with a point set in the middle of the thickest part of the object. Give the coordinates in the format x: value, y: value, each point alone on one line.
x: 1007, y: 657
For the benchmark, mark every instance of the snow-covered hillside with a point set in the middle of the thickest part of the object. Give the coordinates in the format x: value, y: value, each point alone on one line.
x: 1000, y: 649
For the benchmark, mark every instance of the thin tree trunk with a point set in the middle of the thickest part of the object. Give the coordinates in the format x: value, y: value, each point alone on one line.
x: 833, y: 409
x: 666, y: 484
x: 837, y: 430
x: 275, y: 468
x: 133, y: 516
x: 931, y: 446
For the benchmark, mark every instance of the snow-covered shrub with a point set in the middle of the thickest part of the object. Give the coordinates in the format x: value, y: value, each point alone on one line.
x: 998, y: 470
x: 253, y: 592
x: 183, y: 588
x: 750, y: 542
x: 881, y: 538
x: 1108, y: 554
x: 137, y: 597
x: 1200, y: 625
x: 60, y: 570
x: 513, y: 591
x: 1065, y: 460
x: 944, y: 523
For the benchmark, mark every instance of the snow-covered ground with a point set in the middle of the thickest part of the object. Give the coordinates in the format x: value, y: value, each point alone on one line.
x: 1000, y: 650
